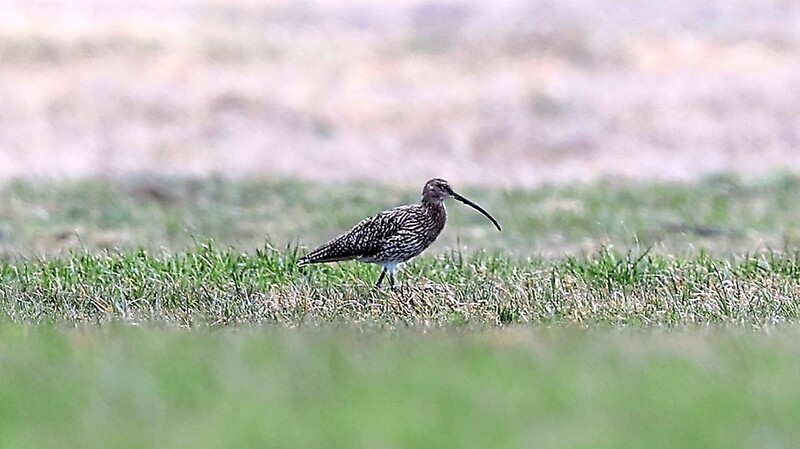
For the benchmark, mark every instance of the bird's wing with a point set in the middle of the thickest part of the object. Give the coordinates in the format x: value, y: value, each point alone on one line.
x: 364, y: 240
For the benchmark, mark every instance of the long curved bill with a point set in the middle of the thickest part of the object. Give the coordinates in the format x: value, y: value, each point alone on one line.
x: 478, y: 208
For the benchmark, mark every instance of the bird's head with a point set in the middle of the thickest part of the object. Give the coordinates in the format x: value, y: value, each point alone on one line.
x: 437, y: 190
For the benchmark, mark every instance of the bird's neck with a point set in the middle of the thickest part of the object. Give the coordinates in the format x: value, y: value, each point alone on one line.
x: 435, y: 208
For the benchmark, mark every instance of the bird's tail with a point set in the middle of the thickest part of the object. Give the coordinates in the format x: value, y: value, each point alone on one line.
x: 332, y: 251
x: 321, y: 258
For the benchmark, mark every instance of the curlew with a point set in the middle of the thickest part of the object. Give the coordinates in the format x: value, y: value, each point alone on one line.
x: 396, y: 235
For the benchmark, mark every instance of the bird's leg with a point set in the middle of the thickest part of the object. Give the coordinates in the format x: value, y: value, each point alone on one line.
x: 395, y: 288
x: 380, y: 278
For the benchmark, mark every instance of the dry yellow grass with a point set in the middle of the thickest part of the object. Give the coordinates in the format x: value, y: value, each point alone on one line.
x: 482, y: 92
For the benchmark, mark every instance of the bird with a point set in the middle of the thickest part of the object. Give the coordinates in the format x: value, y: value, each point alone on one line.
x: 394, y: 236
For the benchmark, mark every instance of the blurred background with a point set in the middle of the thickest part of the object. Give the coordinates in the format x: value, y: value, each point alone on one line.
x: 506, y: 93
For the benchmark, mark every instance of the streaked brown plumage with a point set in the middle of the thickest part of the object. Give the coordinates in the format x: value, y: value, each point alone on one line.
x: 396, y: 235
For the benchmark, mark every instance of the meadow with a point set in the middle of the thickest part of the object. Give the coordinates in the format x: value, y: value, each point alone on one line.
x: 170, y: 312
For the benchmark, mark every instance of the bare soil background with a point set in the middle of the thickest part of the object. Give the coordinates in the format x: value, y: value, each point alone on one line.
x: 481, y: 92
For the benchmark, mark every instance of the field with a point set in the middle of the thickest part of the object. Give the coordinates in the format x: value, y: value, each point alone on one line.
x: 164, y: 163
x: 170, y: 312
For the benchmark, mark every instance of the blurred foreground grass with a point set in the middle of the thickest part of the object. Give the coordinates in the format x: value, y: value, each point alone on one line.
x: 122, y: 387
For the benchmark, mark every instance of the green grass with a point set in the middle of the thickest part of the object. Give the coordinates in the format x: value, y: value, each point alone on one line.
x: 171, y: 313
x: 210, y: 286
x: 722, y: 215
x: 119, y: 387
